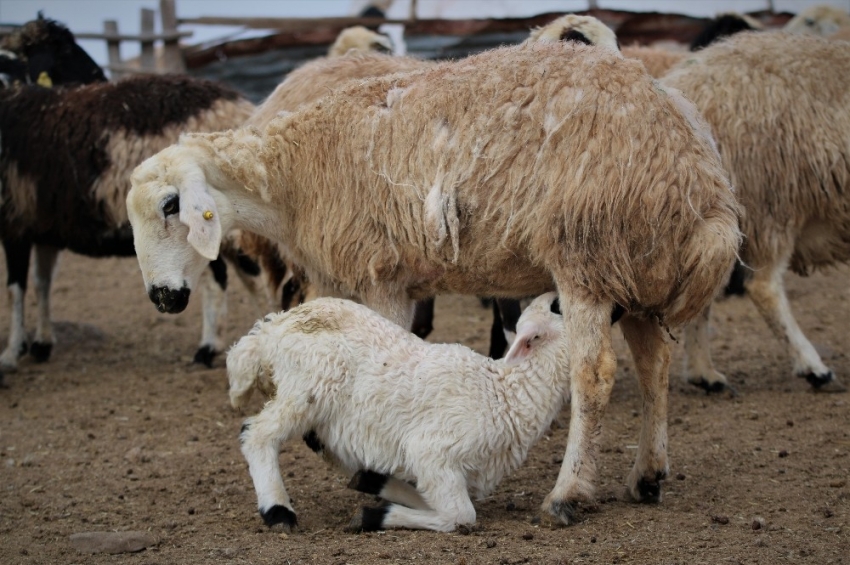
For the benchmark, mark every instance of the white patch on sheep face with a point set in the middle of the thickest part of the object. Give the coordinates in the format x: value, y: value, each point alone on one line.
x: 167, y: 259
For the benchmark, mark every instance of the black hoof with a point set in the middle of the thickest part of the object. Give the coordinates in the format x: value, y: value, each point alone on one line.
x: 204, y: 356
x: 824, y: 383
x: 717, y: 387
x: 650, y: 490
x: 278, y: 514
x: 564, y: 512
x: 23, y: 349
x: 40, y: 351
x: 313, y: 442
x: 371, y: 519
x: 369, y: 482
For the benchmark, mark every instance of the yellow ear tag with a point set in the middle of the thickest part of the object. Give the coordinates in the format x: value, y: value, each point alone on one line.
x: 208, y: 215
x: 44, y: 80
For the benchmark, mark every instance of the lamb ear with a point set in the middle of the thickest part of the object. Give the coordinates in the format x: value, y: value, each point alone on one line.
x: 528, y: 337
x: 199, y: 213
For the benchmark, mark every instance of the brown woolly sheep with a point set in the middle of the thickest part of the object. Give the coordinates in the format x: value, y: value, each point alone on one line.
x: 779, y: 109
x: 516, y: 171
x: 822, y: 20
x: 656, y: 60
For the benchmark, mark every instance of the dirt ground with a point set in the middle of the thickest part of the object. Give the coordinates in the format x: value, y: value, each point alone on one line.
x: 119, y: 432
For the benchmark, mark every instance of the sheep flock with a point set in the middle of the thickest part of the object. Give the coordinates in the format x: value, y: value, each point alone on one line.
x: 617, y: 190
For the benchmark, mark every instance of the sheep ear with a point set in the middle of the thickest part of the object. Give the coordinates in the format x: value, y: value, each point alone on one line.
x: 199, y: 213
x: 528, y: 338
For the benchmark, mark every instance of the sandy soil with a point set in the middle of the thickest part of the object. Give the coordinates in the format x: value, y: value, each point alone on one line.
x: 120, y: 432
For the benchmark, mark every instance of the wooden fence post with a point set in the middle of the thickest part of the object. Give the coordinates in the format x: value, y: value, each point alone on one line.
x: 172, y: 57
x: 147, y: 60
x: 113, y: 48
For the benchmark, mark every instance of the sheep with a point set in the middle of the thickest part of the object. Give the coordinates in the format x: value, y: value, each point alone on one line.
x: 656, y: 60
x: 71, y: 194
x: 572, y: 27
x: 819, y: 20
x: 451, y: 420
x: 724, y: 25
x: 513, y: 172
x: 781, y: 123
x: 50, y: 53
x: 358, y: 38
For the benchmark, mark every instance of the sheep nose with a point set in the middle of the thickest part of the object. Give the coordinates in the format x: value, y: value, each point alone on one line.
x: 168, y: 300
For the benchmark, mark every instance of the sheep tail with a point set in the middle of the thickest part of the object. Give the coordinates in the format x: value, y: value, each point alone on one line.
x: 707, y: 263
x: 244, y: 367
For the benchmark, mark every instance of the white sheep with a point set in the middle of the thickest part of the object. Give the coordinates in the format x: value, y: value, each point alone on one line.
x: 358, y: 38
x: 380, y: 400
x: 510, y: 173
x: 778, y: 107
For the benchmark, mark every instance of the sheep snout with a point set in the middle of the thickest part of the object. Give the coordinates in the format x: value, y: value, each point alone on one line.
x: 169, y: 300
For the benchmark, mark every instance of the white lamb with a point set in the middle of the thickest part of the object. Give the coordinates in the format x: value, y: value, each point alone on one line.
x: 388, y: 408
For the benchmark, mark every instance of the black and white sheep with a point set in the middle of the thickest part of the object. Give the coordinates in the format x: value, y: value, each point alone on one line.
x: 388, y: 408
x: 66, y: 155
x: 510, y: 173
x: 46, y: 53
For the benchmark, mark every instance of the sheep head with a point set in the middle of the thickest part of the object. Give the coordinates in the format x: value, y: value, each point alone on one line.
x: 176, y: 225
x: 539, y: 324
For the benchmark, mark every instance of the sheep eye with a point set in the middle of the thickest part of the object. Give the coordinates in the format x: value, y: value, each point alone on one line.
x: 171, y: 206
x: 810, y: 22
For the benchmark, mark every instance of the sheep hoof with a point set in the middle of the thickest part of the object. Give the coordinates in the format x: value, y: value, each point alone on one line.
x: 204, y: 356
x: 716, y: 387
x: 368, y: 520
x: 563, y: 512
x: 369, y: 482
x: 649, y: 491
x: 824, y: 383
x: 40, y: 351
x: 280, y: 516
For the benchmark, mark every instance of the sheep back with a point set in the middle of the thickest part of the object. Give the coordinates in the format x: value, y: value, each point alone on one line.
x: 779, y: 107
x: 315, y: 79
x: 492, y: 174
x: 66, y: 154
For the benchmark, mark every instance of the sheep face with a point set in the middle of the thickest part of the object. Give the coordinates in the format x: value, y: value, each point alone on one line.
x: 176, y: 227
x: 539, y: 324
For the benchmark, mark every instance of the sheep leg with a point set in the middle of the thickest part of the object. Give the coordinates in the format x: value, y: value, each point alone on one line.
x: 399, y: 309
x: 423, y: 318
x: 213, y: 284
x: 17, y: 269
x: 767, y: 291
x: 587, y: 334
x: 45, y: 267
x: 652, y: 361
x: 389, y: 488
x: 506, y: 313
x: 261, y: 438
x: 446, y: 492
x: 699, y: 368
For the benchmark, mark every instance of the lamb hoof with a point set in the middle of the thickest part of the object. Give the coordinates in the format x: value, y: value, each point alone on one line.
x: 824, y: 383
x: 564, y: 513
x: 204, y: 356
x: 368, y: 520
x: 279, y: 516
x: 368, y: 482
x: 716, y: 387
x: 40, y: 351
